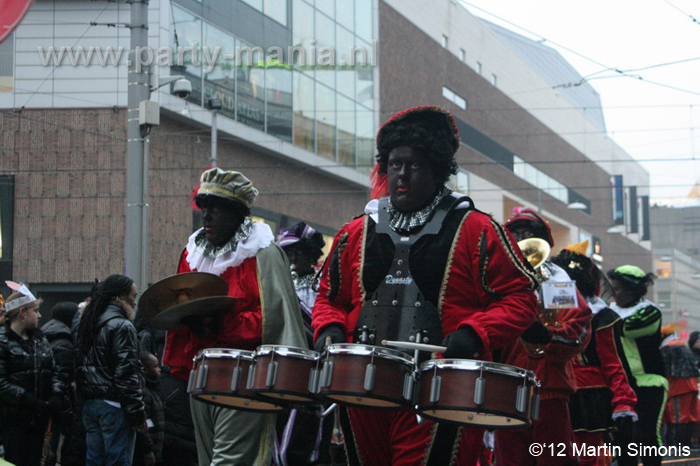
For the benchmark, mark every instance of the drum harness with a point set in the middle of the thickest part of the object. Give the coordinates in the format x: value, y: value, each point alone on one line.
x: 397, y: 310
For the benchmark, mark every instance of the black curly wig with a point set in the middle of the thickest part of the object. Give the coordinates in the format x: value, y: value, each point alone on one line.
x: 432, y: 139
x: 638, y: 286
x: 581, y: 269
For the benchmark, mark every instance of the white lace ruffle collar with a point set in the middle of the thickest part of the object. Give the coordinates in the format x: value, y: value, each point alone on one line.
x: 260, y: 237
x: 596, y: 304
x: 372, y: 207
x: 625, y: 312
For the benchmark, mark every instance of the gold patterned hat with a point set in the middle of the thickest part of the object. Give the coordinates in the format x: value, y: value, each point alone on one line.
x: 230, y: 185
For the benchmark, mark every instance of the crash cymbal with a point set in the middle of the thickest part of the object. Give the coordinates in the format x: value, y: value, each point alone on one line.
x: 202, y: 307
x: 179, y: 289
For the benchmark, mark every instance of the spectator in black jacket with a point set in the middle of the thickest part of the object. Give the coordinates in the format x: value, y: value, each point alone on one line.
x: 58, y: 333
x: 149, y: 445
x: 109, y: 373
x: 30, y: 385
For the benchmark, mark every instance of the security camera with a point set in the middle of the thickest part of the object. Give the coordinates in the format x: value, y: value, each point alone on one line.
x: 182, y: 88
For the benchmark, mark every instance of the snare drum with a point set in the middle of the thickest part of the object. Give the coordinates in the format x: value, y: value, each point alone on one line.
x: 222, y: 377
x: 286, y: 373
x: 366, y: 376
x: 478, y: 393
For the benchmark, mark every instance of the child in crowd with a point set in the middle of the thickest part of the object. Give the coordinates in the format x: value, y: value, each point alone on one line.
x: 149, y: 445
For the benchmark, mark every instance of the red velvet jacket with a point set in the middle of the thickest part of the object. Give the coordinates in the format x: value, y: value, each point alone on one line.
x: 485, y: 284
x: 554, y: 368
x: 600, y: 364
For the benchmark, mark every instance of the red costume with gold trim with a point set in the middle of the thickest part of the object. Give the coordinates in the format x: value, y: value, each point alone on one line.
x: 482, y: 284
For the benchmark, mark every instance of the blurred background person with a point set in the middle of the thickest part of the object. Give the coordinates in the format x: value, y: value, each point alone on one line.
x: 641, y: 339
x: 149, y: 445
x: 603, y: 399
x: 58, y: 333
x: 30, y: 385
x: 681, y: 411
x: 109, y: 373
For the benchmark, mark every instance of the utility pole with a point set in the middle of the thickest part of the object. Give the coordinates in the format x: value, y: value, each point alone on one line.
x: 214, y: 105
x: 136, y: 247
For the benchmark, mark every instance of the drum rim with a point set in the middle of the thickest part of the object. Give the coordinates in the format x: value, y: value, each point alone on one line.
x: 359, y: 349
x: 283, y: 350
x: 275, y: 407
x: 421, y: 411
x: 325, y: 394
x: 224, y: 353
x: 489, y: 366
x: 264, y: 395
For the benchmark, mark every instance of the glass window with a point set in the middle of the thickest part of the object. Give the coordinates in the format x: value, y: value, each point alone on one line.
x: 530, y: 174
x: 364, y: 143
x: 448, y: 94
x: 363, y: 19
x: 278, y: 89
x: 277, y: 10
x: 345, y: 13
x: 325, y: 121
x: 444, y: 41
x: 364, y: 81
x: 220, y: 76
x: 304, y: 111
x: 345, y: 78
x: 462, y: 55
x: 494, y: 80
x: 346, y: 130
x: 327, y: 6
x: 325, y: 50
x: 257, y: 4
x: 302, y: 36
x: 250, y: 89
x: 186, y: 31
x: 478, y: 67
x: 7, y: 64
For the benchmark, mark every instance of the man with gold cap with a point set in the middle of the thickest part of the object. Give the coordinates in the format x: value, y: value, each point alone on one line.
x: 243, y: 252
x: 421, y: 259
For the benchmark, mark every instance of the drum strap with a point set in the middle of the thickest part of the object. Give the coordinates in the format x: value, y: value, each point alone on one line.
x: 443, y: 445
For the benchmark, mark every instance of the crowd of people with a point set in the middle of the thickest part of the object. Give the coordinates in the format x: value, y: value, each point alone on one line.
x: 99, y: 385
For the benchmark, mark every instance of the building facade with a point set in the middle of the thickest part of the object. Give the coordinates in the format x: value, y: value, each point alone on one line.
x: 303, y: 87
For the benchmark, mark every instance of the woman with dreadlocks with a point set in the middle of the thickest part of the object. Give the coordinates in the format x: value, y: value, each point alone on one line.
x: 641, y: 339
x: 109, y: 373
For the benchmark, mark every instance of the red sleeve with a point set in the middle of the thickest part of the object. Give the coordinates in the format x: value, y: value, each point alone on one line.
x: 572, y: 334
x: 611, y: 366
x: 489, y: 287
x: 335, y: 297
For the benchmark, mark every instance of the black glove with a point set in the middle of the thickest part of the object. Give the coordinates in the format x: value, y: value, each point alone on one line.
x: 35, y: 404
x: 463, y: 343
x: 332, y: 331
x: 626, y: 427
x: 536, y: 334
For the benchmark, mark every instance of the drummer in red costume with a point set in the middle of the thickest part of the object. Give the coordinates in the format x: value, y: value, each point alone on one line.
x: 469, y: 287
x: 244, y: 253
x: 548, y: 352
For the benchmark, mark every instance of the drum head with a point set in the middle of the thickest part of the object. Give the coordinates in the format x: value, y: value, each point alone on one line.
x: 350, y: 399
x: 479, y: 419
x: 237, y: 402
